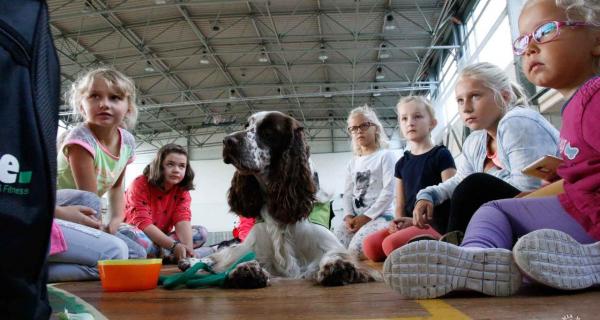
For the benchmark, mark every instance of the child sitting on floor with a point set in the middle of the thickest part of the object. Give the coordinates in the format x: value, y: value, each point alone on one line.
x: 557, y: 235
x: 424, y: 165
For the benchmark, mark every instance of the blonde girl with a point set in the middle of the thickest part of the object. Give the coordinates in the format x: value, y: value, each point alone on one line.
x: 421, y: 166
x: 369, y: 184
x: 507, y: 136
x: 557, y: 235
x: 91, y: 162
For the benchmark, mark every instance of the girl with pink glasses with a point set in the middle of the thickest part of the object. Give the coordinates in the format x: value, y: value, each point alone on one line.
x: 558, y: 235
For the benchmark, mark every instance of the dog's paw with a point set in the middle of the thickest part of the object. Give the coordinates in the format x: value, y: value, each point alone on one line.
x: 247, y: 275
x: 339, y: 272
x: 186, y: 263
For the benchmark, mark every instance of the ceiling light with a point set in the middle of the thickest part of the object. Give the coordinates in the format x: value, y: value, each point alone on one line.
x: 160, y: 1
x: 389, y: 22
x: 204, y: 59
x: 232, y: 94
x: 384, y: 55
x: 327, y: 94
x: 263, y: 58
x: 376, y: 94
x: 379, y: 75
x: 149, y: 67
x: 323, y: 56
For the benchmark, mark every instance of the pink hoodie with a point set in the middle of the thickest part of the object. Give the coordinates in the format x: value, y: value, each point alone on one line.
x: 580, y: 149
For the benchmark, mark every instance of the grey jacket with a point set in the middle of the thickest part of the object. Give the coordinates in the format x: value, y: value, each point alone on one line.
x: 523, y: 136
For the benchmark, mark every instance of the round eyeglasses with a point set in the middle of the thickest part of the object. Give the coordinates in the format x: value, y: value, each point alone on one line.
x: 362, y: 127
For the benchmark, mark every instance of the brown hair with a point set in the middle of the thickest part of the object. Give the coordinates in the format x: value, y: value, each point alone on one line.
x: 154, y: 170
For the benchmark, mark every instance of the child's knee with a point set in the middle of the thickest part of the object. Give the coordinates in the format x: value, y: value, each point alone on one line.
x: 372, y: 246
x: 117, y: 249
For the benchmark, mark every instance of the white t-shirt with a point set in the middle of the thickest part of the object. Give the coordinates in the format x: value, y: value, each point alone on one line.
x: 369, y: 186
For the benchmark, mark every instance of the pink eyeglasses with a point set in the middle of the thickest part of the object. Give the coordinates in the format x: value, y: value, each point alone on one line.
x: 545, y: 32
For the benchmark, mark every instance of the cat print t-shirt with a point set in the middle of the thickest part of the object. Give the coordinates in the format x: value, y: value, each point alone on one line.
x: 369, y: 185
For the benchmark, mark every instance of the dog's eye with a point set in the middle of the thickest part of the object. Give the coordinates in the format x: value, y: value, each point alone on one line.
x: 246, y: 125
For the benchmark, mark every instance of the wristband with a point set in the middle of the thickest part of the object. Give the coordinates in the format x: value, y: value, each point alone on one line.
x: 174, y: 245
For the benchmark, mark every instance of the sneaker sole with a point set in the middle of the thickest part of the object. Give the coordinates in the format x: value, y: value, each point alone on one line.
x: 430, y: 269
x: 557, y: 260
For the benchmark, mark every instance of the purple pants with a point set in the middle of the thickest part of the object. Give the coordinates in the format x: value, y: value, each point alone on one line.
x: 497, y: 224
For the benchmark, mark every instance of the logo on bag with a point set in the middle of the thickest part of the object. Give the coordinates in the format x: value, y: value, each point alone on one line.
x: 12, y: 180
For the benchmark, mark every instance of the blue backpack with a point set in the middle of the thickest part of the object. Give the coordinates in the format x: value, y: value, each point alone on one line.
x: 29, y: 100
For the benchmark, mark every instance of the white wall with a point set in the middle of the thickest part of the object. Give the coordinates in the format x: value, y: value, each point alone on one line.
x: 209, y: 200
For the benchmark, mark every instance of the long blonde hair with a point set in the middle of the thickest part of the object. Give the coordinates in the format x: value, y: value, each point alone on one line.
x: 495, y: 79
x: 381, y: 139
x: 113, y: 78
x: 586, y: 10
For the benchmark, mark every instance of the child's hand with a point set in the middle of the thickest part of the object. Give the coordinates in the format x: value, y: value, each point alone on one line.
x: 399, y: 224
x: 112, y: 227
x: 79, y: 214
x: 182, y: 251
x: 423, y: 213
x: 349, y: 222
x: 359, y: 221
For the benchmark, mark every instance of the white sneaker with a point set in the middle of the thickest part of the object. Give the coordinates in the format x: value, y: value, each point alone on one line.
x: 554, y: 258
x: 430, y: 269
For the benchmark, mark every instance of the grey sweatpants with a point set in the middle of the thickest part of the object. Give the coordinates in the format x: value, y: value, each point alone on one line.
x: 85, y: 245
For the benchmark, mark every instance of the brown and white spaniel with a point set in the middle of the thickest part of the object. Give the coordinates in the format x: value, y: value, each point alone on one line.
x: 273, y: 183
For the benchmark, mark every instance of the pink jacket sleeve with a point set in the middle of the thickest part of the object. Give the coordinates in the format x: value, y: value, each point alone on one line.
x: 138, y: 209
x: 591, y: 115
x: 182, y: 207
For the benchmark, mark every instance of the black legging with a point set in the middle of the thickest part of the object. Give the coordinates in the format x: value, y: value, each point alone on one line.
x: 471, y: 193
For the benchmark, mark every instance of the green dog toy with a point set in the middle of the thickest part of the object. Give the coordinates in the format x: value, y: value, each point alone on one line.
x: 191, y: 279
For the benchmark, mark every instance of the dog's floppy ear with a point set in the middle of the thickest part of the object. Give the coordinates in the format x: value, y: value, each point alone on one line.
x: 244, y: 197
x: 291, y: 188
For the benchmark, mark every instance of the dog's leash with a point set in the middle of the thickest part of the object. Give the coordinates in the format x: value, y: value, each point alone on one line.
x: 191, y: 279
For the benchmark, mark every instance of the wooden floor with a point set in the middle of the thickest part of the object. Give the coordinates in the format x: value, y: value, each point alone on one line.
x: 297, y: 299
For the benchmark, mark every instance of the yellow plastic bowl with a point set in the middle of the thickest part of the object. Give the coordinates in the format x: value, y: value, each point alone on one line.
x: 129, y: 275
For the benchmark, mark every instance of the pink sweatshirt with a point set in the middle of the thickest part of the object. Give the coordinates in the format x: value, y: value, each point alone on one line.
x: 580, y: 149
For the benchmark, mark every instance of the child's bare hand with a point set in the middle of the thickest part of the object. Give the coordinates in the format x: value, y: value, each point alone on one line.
x: 403, y: 222
x: 79, y: 214
x: 112, y: 227
x: 349, y: 222
x: 182, y: 251
x: 423, y: 213
x: 359, y: 221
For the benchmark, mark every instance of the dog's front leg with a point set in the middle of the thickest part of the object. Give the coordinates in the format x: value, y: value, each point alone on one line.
x: 338, y: 268
x: 247, y: 275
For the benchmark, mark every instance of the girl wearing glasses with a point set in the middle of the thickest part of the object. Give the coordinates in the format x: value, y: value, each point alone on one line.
x: 506, y: 138
x: 369, y: 186
x: 558, y: 235
x: 424, y: 165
